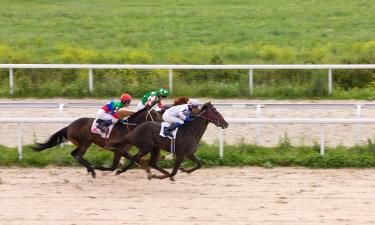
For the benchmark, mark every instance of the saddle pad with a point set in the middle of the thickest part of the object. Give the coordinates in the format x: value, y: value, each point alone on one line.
x: 96, y: 130
x: 165, y: 124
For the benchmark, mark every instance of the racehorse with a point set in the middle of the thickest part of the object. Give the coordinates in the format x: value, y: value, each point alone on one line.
x: 79, y: 133
x: 147, y: 139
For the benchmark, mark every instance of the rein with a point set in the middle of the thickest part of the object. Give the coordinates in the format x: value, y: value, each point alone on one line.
x: 149, y: 115
x: 209, y: 117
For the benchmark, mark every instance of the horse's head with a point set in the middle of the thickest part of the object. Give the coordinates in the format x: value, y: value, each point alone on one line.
x: 212, y: 115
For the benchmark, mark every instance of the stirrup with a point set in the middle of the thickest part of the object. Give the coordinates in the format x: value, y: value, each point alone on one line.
x: 101, y: 126
x: 168, y: 132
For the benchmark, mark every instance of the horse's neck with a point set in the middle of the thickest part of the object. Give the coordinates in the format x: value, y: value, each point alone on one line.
x: 198, y: 127
x: 139, y: 118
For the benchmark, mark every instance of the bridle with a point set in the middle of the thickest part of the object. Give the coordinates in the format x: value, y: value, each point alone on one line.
x: 211, y: 116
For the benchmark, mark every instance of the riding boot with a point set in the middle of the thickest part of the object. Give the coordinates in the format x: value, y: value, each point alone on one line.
x: 169, y: 130
x: 101, y: 125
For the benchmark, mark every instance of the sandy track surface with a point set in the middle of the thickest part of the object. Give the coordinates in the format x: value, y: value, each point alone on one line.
x: 270, y: 134
x: 247, y: 195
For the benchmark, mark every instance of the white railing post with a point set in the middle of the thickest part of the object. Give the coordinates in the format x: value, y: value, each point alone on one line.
x: 19, y: 141
x: 221, y: 144
x: 170, y: 77
x: 358, y: 126
x: 330, y: 81
x: 322, y: 149
x: 91, y: 81
x: 11, y: 84
x: 251, y: 81
x: 257, y: 129
x: 61, y: 110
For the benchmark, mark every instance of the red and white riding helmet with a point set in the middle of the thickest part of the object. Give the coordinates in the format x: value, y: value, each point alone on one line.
x: 126, y: 97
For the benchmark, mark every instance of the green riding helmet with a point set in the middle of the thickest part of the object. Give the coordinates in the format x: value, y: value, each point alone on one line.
x: 164, y: 92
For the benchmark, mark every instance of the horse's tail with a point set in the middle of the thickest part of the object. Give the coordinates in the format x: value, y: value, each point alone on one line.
x: 56, y: 139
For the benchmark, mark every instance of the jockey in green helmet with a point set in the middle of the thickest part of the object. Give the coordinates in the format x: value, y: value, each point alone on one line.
x: 152, y: 98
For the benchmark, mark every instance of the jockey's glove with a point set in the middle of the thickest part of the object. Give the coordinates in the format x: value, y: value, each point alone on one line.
x: 123, y: 121
x: 188, y: 119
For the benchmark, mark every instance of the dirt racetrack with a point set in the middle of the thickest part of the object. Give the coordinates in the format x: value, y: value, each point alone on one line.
x: 248, y: 195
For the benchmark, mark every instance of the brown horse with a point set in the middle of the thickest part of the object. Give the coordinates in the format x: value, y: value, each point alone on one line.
x: 79, y: 133
x: 147, y: 139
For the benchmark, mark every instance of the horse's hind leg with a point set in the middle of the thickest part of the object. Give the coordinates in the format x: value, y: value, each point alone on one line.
x: 193, y: 158
x: 176, y: 166
x: 78, y: 155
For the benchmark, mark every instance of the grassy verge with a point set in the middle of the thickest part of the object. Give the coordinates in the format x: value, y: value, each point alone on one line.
x: 235, y: 155
x: 239, y: 31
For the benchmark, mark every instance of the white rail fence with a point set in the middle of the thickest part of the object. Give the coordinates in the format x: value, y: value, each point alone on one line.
x: 240, y: 105
x: 258, y: 121
x: 170, y: 68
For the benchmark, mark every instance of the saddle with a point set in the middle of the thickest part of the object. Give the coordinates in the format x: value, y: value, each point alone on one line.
x: 165, y: 125
x: 96, y: 130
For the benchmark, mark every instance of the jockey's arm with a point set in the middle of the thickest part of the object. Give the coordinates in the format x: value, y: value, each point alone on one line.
x: 181, y: 115
x: 116, y: 115
x: 161, y: 104
x: 151, y: 101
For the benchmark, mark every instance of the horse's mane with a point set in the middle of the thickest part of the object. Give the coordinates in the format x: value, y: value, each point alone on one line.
x: 205, y: 106
x: 181, y: 100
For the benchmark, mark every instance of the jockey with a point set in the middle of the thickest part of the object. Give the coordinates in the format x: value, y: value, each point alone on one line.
x: 150, y: 99
x: 108, y: 115
x: 179, y: 114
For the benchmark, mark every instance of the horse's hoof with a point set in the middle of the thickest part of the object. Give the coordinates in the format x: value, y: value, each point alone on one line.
x: 149, y: 176
x: 172, y: 178
x: 118, y: 172
x: 93, y: 174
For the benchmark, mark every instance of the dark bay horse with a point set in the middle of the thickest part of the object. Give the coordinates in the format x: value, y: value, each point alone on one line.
x: 147, y: 139
x: 79, y: 133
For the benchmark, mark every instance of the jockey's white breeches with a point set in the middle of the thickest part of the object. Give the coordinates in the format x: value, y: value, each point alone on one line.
x: 172, y: 119
x: 101, y: 114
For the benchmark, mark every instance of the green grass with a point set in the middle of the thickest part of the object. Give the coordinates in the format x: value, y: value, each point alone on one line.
x: 239, y: 31
x: 234, y: 155
x: 188, y: 32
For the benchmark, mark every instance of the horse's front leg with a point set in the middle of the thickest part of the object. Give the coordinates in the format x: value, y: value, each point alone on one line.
x: 154, y: 164
x: 193, y: 158
x: 176, y: 166
x: 134, y: 159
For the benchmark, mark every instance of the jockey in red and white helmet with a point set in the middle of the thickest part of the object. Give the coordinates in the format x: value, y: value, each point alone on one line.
x: 108, y: 114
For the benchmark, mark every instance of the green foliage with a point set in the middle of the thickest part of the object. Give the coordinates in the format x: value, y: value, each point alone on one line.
x: 188, y: 32
x: 234, y: 155
x: 285, y: 142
